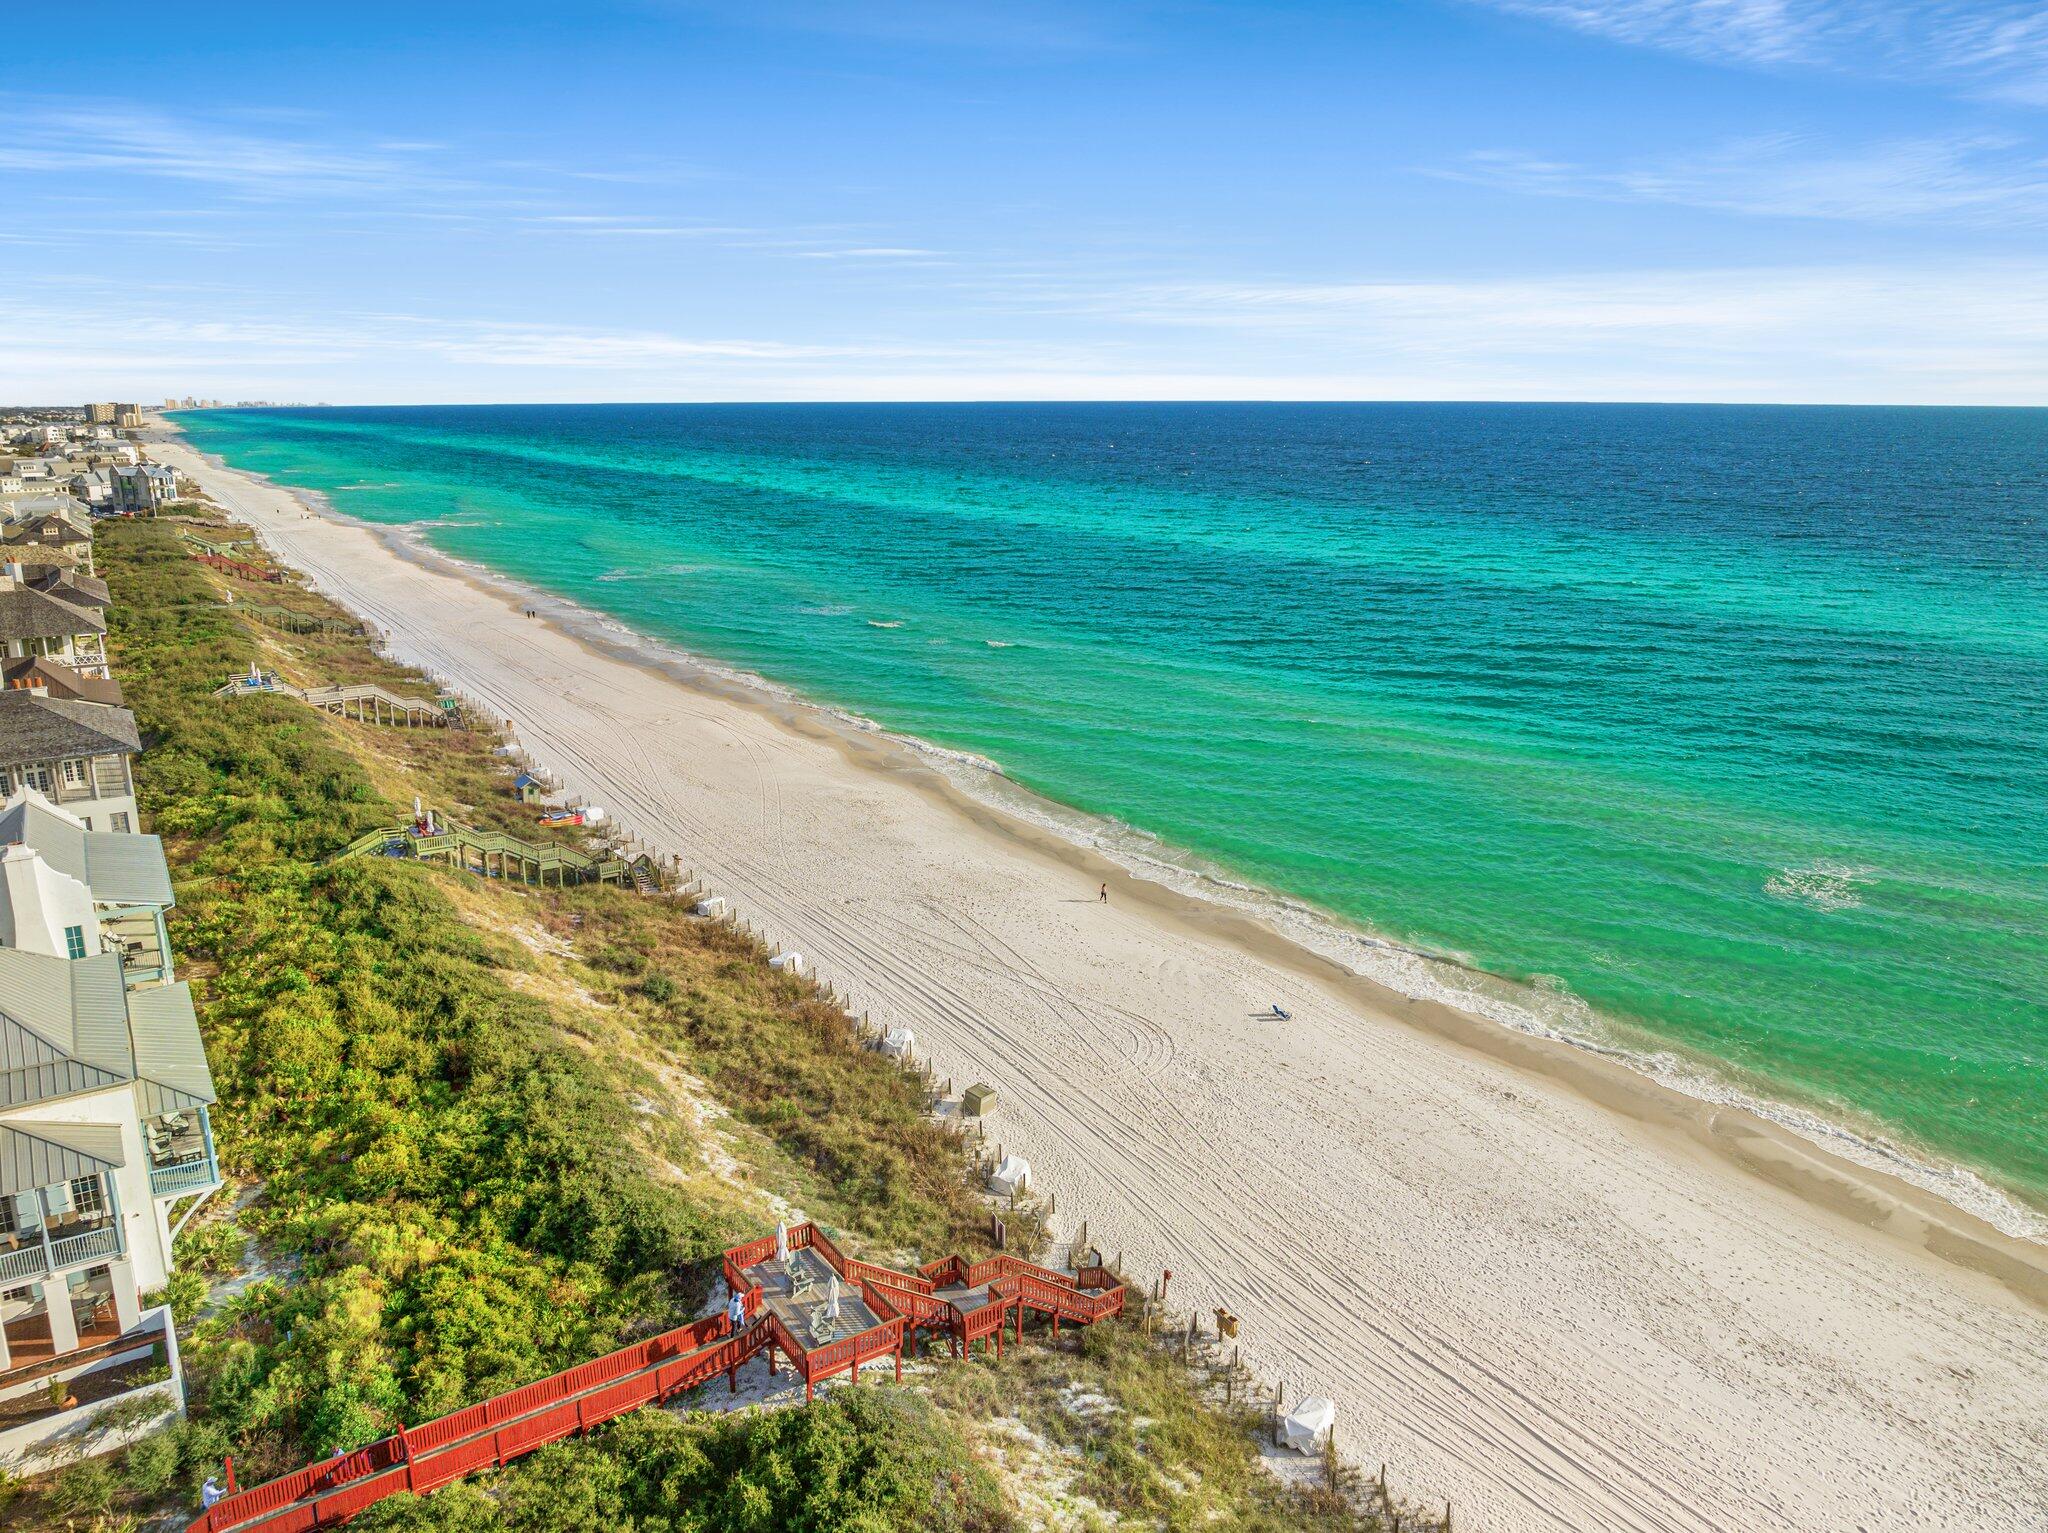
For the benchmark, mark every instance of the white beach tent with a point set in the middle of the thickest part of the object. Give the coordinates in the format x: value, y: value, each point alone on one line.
x: 793, y: 962
x: 900, y: 1043
x: 1304, y: 1428
x: 1013, y: 1175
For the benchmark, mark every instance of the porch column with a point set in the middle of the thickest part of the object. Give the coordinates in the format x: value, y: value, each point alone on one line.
x: 43, y: 1228
x: 127, y: 1302
x: 63, y: 1324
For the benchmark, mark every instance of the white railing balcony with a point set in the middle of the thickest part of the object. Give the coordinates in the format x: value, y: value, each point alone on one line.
x: 91, y: 1246
x: 23, y: 1261
x: 182, y: 1177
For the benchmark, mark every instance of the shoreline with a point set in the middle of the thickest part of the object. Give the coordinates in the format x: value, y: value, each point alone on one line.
x: 1484, y: 998
x: 1797, y: 1187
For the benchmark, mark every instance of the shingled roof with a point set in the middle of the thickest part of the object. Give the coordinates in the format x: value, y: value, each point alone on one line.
x: 26, y: 613
x: 35, y: 728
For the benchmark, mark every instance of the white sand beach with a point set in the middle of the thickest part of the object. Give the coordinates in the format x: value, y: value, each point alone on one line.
x: 1536, y: 1284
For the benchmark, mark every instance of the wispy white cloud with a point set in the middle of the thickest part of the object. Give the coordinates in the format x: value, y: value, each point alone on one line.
x: 1998, y: 47
x: 99, y: 140
x: 1979, y: 181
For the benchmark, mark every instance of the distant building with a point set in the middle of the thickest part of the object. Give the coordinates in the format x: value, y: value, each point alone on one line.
x: 143, y: 487
x: 48, y: 521
x: 94, y: 489
x: 103, y: 415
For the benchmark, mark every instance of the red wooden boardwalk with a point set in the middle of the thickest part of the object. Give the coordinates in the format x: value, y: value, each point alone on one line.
x: 969, y: 1302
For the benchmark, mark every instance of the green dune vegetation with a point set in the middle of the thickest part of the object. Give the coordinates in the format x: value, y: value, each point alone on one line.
x: 476, y: 1133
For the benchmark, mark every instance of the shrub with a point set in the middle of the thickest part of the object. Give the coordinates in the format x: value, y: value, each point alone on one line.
x: 150, y: 1467
x: 87, y: 1486
x: 184, y: 1291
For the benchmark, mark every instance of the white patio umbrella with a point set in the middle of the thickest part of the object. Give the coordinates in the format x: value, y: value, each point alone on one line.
x: 832, y: 1296
x: 781, y: 1241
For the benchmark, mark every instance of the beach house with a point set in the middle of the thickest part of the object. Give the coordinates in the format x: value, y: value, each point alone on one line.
x: 104, y: 1094
x: 143, y: 487
x: 49, y: 521
x: 62, y: 615
x: 125, y: 879
x: 75, y: 754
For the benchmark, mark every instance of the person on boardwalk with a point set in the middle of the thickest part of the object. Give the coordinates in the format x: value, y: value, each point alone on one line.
x: 736, y: 1314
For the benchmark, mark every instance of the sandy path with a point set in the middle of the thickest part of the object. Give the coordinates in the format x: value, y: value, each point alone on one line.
x: 1555, y: 1314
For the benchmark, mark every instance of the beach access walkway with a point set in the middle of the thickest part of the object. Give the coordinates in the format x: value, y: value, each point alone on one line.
x: 500, y: 854
x: 372, y: 704
x: 783, y: 1300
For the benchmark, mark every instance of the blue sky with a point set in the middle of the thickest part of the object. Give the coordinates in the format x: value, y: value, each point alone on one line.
x: 1606, y: 199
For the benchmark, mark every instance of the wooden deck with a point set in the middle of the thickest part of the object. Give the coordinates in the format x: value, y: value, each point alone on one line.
x: 880, y: 1309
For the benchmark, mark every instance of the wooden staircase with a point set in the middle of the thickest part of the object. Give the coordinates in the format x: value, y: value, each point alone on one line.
x: 496, y: 1431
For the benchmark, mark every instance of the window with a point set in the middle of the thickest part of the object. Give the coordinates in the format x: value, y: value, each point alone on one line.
x: 88, y: 1197
x: 120, y: 820
x: 74, y: 773
x: 74, y: 942
x: 6, y: 1216
x: 36, y: 777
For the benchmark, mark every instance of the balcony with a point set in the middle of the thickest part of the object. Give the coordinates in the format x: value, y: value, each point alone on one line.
x: 181, y: 1158
x: 175, y: 1181
x: 51, y: 1249
x: 93, y: 1245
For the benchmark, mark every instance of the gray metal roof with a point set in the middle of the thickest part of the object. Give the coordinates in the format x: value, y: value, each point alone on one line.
x: 170, y: 1059
x: 42, y: 1154
x: 119, y: 868
x: 76, y: 1010
x: 32, y: 1069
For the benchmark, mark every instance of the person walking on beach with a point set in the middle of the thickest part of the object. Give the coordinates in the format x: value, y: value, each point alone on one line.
x: 1103, y: 897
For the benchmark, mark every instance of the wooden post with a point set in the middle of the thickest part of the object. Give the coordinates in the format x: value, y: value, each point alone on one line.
x: 1279, y: 1399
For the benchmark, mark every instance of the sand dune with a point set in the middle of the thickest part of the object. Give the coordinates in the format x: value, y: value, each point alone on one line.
x: 1536, y: 1285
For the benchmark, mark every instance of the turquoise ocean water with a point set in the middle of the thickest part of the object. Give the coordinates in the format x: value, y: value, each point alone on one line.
x: 1724, y: 729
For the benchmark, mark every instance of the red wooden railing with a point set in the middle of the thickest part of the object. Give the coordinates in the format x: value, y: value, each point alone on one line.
x: 242, y: 568
x: 489, y: 1433
x: 496, y: 1431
